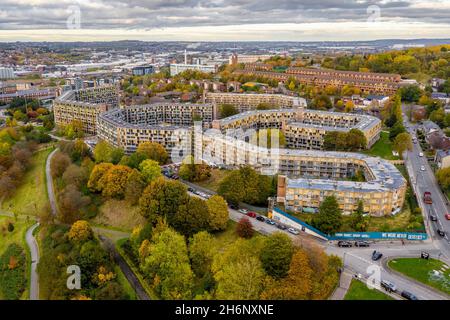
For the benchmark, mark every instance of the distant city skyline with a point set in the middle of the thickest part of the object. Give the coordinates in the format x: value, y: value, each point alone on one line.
x: 220, y: 20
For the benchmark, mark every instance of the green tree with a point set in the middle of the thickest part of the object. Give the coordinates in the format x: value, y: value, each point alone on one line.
x: 150, y: 170
x: 238, y: 272
x: 227, y: 110
x: 201, y: 252
x: 329, y: 218
x: 232, y: 188
x: 217, y: 213
x: 358, y: 221
x: 443, y: 177
x: 276, y: 255
x: 191, y: 217
x: 410, y: 93
x: 396, y: 130
x: 402, y: 142
x: 167, y: 266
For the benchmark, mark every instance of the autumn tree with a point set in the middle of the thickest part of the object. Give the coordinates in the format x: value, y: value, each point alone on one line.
x: 217, y: 213
x: 71, y: 203
x: 60, y: 161
x: 276, y: 254
x: 296, y: 285
x: 329, y: 218
x: 134, y: 187
x: 80, y: 231
x: 75, y: 175
x: 244, y: 228
x: 154, y: 151
x: 96, y: 175
x: 232, y: 188
x: 162, y: 198
x: 194, y: 172
x: 114, y: 181
x: 443, y: 177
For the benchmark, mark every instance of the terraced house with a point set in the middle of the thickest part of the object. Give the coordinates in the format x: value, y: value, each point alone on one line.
x: 367, y: 82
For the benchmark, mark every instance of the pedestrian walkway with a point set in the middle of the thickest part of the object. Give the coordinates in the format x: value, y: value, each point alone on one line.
x: 344, y: 284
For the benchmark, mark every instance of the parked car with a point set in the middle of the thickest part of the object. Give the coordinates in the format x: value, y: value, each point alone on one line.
x: 293, y: 231
x: 243, y: 211
x: 260, y: 218
x: 420, y: 154
x: 376, y: 255
x: 270, y: 221
x: 281, y: 226
x: 362, y: 244
x: 345, y: 244
x: 447, y: 216
x: 440, y: 232
x: 251, y: 214
x: 408, y: 295
x: 388, y: 286
x: 191, y: 189
x: 422, y: 168
x: 433, y: 217
x: 233, y: 206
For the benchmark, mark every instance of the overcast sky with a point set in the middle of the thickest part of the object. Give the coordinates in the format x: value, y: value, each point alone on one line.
x: 209, y: 20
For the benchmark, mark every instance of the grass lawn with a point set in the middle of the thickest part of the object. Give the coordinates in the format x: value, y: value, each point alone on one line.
x: 216, y: 177
x: 17, y: 236
x: 422, y: 270
x: 31, y: 197
x: 382, y: 148
x: 125, y: 284
x: 359, y: 291
x: 118, y: 214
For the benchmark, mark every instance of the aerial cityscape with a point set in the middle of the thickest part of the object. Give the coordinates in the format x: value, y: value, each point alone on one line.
x: 192, y: 150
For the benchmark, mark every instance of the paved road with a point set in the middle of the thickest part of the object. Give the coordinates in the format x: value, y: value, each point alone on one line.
x: 50, y: 188
x: 426, y: 181
x: 129, y: 274
x: 34, y: 250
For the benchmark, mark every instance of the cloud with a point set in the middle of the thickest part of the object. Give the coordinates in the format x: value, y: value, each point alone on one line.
x: 133, y: 15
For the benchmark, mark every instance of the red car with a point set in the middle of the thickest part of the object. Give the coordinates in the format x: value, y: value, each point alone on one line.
x: 447, y: 216
x: 251, y: 214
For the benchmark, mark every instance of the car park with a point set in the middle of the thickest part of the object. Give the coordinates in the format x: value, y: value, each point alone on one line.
x: 293, y: 231
x: 388, y: 286
x: 243, y: 211
x: 408, y: 295
x: 376, y: 255
x: 362, y: 244
x: 344, y: 244
x: 251, y: 214
x: 260, y: 218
